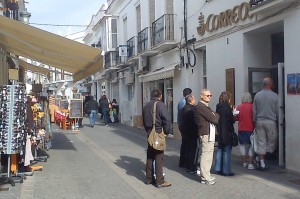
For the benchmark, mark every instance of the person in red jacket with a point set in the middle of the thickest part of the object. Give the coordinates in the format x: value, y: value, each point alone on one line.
x: 244, y: 114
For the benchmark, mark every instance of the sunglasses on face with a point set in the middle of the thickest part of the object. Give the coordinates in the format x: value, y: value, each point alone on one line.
x: 207, y: 95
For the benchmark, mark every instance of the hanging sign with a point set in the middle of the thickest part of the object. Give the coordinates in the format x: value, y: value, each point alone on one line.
x: 123, y: 50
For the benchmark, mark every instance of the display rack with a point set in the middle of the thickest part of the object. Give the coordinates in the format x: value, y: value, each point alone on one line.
x: 12, y: 125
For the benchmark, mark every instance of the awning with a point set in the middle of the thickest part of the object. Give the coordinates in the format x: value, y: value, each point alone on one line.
x: 33, y: 68
x: 50, y: 49
x: 163, y: 73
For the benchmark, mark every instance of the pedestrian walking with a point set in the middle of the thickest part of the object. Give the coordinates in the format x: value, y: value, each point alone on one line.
x: 92, y: 108
x: 206, y: 120
x: 265, y: 116
x: 184, y: 146
x: 163, y: 125
x: 104, y: 105
x: 225, y: 129
x: 190, y: 129
x: 244, y: 116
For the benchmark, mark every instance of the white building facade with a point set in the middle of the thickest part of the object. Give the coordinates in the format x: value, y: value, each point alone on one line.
x: 220, y: 45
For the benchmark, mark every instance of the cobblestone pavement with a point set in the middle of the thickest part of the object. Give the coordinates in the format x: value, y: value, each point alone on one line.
x: 109, y: 162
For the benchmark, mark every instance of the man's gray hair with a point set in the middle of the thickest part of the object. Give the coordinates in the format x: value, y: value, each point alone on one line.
x: 246, y: 97
x: 189, y: 99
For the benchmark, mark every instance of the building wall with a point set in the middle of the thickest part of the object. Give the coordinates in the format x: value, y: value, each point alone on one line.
x: 292, y: 43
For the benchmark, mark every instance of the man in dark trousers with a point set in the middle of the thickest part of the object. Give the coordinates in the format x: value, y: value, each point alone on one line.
x: 92, y: 109
x: 191, y: 133
x: 183, y: 148
x: 162, y: 122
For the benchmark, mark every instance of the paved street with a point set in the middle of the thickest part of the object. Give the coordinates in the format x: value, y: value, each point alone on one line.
x: 109, y: 162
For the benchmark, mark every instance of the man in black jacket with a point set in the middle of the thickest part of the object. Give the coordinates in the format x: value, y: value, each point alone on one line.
x: 191, y: 133
x: 162, y: 122
x: 92, y: 109
x: 206, y: 120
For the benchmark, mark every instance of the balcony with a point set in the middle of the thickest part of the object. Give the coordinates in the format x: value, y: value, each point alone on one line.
x: 121, y: 61
x: 163, y: 33
x: 262, y: 7
x: 110, y: 60
x: 144, y: 43
x: 132, y: 50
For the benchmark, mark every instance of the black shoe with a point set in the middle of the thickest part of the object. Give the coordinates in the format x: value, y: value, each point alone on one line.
x: 228, y: 174
x: 263, y: 168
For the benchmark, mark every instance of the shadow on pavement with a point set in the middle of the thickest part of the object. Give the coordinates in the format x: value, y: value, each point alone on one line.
x: 275, y: 174
x: 61, y: 142
x: 133, y: 166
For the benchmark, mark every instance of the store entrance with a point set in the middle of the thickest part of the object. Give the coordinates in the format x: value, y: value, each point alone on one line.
x: 265, y: 47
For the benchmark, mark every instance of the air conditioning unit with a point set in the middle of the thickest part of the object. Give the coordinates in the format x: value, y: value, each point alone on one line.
x: 144, y: 65
x: 129, y: 78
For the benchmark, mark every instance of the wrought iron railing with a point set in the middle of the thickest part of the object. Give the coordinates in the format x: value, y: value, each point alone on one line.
x: 144, y: 40
x: 254, y: 3
x: 131, y: 47
x: 163, y: 29
x: 110, y: 59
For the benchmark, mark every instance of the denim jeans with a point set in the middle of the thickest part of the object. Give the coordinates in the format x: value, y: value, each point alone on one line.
x: 92, y: 116
x: 223, y: 159
x: 105, y: 112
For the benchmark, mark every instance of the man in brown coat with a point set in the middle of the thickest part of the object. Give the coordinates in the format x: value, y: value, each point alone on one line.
x: 206, y: 120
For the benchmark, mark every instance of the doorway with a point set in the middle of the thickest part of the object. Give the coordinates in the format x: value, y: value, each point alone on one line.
x: 265, y: 57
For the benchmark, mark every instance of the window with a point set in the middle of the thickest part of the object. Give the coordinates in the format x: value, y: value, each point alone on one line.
x: 138, y: 18
x: 152, y: 11
x: 130, y: 92
x: 125, y: 29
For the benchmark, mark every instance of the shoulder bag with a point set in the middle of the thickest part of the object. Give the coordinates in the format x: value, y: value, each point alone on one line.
x: 157, y: 140
x: 233, y: 135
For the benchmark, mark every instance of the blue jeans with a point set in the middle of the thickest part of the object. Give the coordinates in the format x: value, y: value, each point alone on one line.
x: 223, y: 159
x: 105, y: 113
x: 92, y: 117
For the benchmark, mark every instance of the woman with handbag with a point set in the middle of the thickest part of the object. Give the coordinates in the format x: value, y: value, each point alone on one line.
x: 225, y: 135
x: 244, y: 114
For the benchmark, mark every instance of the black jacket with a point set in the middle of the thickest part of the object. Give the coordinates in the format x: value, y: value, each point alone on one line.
x: 225, y: 125
x: 163, y: 118
x: 189, y: 125
x: 103, y: 103
x: 92, y: 105
x: 203, y: 116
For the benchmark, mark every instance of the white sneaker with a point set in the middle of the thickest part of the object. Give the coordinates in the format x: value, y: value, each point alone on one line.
x: 198, y: 172
x: 212, y: 178
x: 245, y: 164
x: 251, y: 167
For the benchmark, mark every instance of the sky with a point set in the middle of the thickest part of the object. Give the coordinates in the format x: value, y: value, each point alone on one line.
x: 62, y: 12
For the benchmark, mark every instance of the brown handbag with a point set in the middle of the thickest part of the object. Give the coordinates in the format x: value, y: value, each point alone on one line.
x: 157, y: 140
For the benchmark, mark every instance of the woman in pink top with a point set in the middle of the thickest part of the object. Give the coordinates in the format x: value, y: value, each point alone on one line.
x: 245, y: 129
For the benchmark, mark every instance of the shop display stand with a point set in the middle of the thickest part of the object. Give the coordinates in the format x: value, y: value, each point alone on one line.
x: 11, y: 179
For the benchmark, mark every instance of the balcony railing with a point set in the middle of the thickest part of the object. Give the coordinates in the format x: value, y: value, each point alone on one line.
x: 254, y: 3
x: 163, y: 29
x: 131, y: 47
x: 120, y: 60
x: 110, y: 59
x: 144, y: 40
